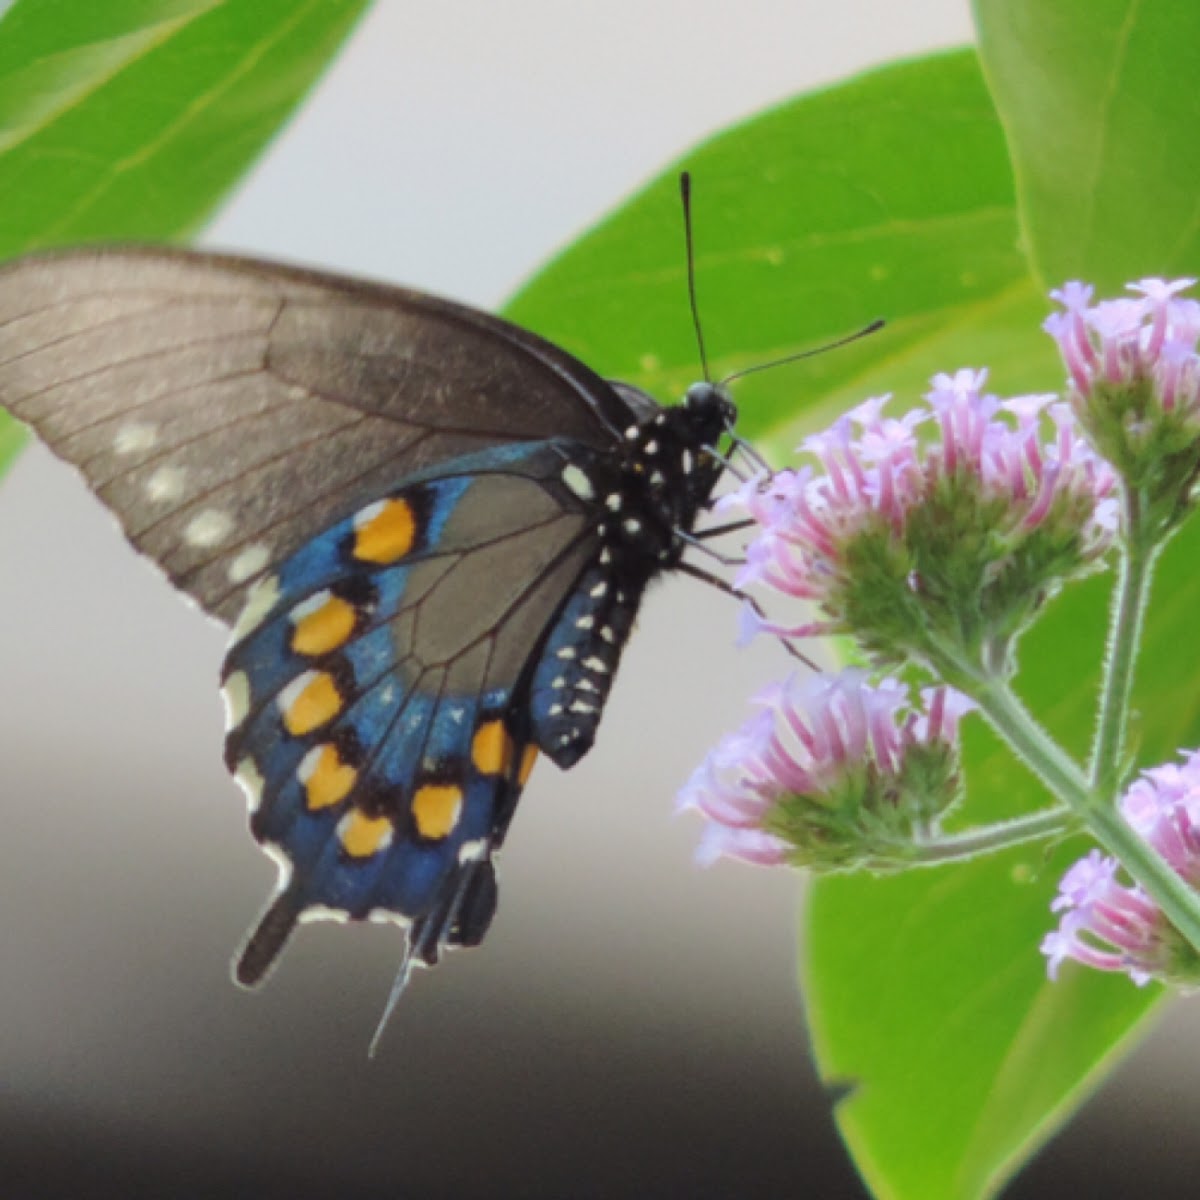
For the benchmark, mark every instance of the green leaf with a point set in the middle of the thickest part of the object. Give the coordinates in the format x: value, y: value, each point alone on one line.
x: 930, y: 1002
x: 131, y: 119
x: 1100, y: 103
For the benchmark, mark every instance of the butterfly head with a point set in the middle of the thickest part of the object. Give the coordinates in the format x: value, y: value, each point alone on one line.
x: 709, y: 411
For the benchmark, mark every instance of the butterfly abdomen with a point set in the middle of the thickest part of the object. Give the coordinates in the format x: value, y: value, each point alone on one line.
x: 572, y: 680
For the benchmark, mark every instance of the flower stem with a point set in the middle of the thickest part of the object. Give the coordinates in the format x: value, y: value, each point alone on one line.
x: 1050, y: 763
x: 986, y: 839
x: 1032, y: 744
x: 1124, y: 638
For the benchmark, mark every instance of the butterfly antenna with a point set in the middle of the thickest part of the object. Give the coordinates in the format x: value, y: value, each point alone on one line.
x: 685, y: 198
x: 399, y: 984
x: 866, y: 330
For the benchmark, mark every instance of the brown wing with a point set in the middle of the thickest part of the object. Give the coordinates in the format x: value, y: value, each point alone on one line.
x: 227, y: 410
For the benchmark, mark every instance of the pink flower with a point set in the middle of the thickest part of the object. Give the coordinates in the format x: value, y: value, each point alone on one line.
x: 1122, y: 341
x: 819, y: 775
x: 892, y: 530
x: 1134, y: 385
x: 1114, y: 926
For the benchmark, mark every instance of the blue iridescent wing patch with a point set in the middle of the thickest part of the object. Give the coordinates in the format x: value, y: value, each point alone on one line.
x: 377, y: 719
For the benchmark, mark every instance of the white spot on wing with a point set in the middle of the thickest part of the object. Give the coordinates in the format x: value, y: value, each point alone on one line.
x: 472, y: 851
x: 165, y: 484
x: 262, y: 598
x: 236, y: 693
x: 313, y: 604
x: 291, y: 693
x: 365, y: 516
x: 309, y: 763
x: 135, y: 438
x: 577, y: 481
x: 249, y: 562
x: 323, y: 912
x: 249, y: 778
x: 208, y: 528
x: 385, y: 916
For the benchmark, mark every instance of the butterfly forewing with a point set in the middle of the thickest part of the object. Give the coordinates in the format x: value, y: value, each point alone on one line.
x: 228, y: 410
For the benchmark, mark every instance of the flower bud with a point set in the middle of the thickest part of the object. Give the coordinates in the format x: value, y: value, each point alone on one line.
x: 1134, y: 383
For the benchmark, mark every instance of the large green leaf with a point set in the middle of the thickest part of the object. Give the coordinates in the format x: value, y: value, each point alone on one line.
x: 1100, y: 103
x: 133, y: 118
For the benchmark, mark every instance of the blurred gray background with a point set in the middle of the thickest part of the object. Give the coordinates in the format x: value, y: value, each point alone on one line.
x: 631, y: 1026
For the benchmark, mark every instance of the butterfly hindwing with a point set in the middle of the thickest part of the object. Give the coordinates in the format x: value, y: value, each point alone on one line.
x: 377, y: 690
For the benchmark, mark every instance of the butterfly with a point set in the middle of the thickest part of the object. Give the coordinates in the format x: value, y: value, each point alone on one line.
x: 429, y: 531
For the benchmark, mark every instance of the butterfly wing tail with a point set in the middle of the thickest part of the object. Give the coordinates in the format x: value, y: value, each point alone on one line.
x: 268, y: 938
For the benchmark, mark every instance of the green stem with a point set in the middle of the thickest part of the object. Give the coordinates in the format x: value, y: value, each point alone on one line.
x: 986, y: 839
x: 1049, y: 762
x: 1124, y: 639
x: 1033, y: 745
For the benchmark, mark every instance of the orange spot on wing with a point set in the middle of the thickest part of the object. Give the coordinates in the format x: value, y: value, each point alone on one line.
x: 312, y: 704
x: 385, y: 532
x: 491, y: 748
x: 324, y: 627
x: 361, y: 836
x: 528, y: 758
x: 435, y: 809
x: 327, y: 780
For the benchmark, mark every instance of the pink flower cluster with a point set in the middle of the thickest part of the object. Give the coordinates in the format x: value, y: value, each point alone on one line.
x: 1152, y: 336
x: 1115, y: 926
x: 824, y: 738
x: 876, y: 471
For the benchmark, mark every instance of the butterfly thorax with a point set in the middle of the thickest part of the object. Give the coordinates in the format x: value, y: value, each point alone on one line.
x: 662, y: 479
